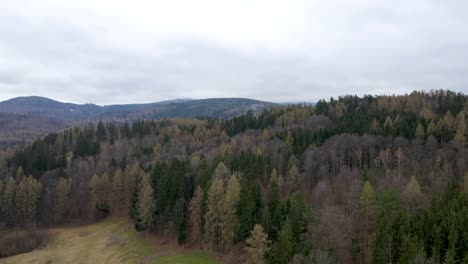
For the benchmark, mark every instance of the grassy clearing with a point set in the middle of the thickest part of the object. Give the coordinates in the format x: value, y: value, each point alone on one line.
x: 186, y: 258
x: 111, y: 241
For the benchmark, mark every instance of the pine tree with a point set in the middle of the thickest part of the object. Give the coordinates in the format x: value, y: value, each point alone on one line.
x: 272, y: 218
x: 289, y: 140
x: 131, y: 177
x: 460, y: 122
x: 449, y: 121
x: 119, y: 196
x: 94, y: 192
x: 62, y: 199
x: 20, y: 198
x: 367, y: 205
x: 222, y: 172
x: 389, y: 227
x: 412, y: 194
x: 257, y: 245
x: 229, y: 219
x: 19, y: 174
x: 101, y: 132
x: 419, y: 132
x: 213, y: 216
x: 146, y: 202
x: 283, y: 249
x: 276, y: 178
x: 249, y: 212
x: 431, y: 129
x: 388, y: 125
x: 99, y: 195
x: 194, y: 216
x: 33, y: 196
x: 412, y: 251
x: 367, y: 198
x: 8, y: 201
x: 28, y: 194
x: 293, y: 177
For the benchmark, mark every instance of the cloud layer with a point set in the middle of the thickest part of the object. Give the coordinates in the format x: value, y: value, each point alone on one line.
x: 109, y: 52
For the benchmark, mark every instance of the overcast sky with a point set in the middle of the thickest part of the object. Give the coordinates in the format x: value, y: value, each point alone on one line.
x: 108, y: 52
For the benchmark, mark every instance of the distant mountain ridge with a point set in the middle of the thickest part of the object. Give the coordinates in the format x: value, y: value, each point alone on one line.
x: 24, y: 112
x: 212, y: 107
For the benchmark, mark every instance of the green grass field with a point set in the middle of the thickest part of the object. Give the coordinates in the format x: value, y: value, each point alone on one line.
x: 111, y: 241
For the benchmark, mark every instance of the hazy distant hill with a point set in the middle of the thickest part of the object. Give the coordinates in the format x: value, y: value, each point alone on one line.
x: 40, y: 106
x: 17, y: 128
x: 25, y: 117
x: 216, y: 108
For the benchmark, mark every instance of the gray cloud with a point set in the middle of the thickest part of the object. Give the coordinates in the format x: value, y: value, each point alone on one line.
x: 358, y: 47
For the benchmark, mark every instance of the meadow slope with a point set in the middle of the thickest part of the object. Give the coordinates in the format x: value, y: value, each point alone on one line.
x: 111, y: 241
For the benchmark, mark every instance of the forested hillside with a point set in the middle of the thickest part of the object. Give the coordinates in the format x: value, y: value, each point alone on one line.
x: 24, y: 119
x: 17, y: 128
x: 377, y: 179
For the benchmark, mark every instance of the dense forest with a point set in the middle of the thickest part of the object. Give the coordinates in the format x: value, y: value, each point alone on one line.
x: 373, y: 179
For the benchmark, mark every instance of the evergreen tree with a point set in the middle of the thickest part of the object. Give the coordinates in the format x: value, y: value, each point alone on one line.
x: 388, y: 125
x: 272, y: 216
x: 413, y: 195
x: 28, y: 194
x: 131, y: 178
x: 19, y: 174
x: 275, y: 177
x: 284, y: 248
x: 213, y: 216
x: 33, y: 196
x: 412, y: 251
x: 119, y: 193
x: 249, y: 209
x: 229, y: 218
x: 419, y: 132
x: 289, y: 140
x: 62, y: 199
x: 460, y: 122
x: 293, y: 177
x: 146, y: 202
x: 20, y: 199
x: 101, y: 132
x: 257, y: 246
x: 367, y: 198
x: 99, y: 195
x: 431, y: 129
x: 390, y: 227
x: 222, y: 172
x: 449, y: 121
x: 195, y: 217
x: 366, y: 218
x: 8, y: 201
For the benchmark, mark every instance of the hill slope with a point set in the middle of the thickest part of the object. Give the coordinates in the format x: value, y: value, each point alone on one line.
x: 41, y: 106
x: 24, y: 118
x: 112, y: 241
